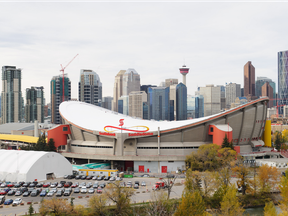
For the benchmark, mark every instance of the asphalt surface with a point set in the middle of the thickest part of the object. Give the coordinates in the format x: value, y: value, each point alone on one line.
x: 143, y: 194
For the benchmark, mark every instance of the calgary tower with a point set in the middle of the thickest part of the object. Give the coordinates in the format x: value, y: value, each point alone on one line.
x: 184, y: 71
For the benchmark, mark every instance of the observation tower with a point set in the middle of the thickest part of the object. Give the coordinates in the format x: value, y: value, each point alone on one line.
x: 184, y: 71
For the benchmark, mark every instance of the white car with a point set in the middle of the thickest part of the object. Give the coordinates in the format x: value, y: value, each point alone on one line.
x: 53, y: 185
x: 3, y: 185
x: 17, y: 201
x: 143, y: 183
x: 84, y: 189
x: 50, y: 194
x: 91, y: 190
x: 118, y: 179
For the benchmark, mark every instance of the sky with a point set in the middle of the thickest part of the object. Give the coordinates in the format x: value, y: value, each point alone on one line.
x: 215, y: 40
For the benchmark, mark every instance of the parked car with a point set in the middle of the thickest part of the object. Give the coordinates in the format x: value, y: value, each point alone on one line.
x: 67, y: 192
x: 143, y: 183
x: 65, y: 176
x: 82, y: 185
x: 40, y: 184
x: 91, y: 190
x: 17, y: 185
x: 2, y: 199
x: 59, y: 185
x: 84, y: 189
x: 11, y: 184
x: 62, y: 182
x: 11, y: 193
x: 32, y: 185
x: 77, y: 190
x: 47, y: 184
x: 112, y: 178
x: 94, y: 177
x: 17, y: 201
x: 26, y: 193
x: 35, y: 193
x: 145, y: 175
x: 106, y: 178
x: 103, y: 185
x: 59, y: 193
x: 3, y: 185
x: 83, y: 177
x: 50, y: 194
x: 118, y: 179
x: 26, y: 184
x: 67, y: 184
x: 95, y: 185
x: 54, y: 184
x: 99, y: 190
x: 100, y: 178
x: 136, y: 186
x: 74, y: 185
x: 78, y: 177
x: 43, y: 193
x: 89, y: 185
x: 71, y: 177
x: 18, y: 193
x: 8, y: 202
x: 89, y: 177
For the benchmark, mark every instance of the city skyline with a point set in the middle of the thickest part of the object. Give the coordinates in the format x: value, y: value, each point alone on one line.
x: 135, y: 35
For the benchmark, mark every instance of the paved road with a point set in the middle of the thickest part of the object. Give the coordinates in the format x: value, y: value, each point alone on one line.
x: 138, y: 197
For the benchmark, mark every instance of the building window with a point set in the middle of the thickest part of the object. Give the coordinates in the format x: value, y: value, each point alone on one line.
x: 65, y: 128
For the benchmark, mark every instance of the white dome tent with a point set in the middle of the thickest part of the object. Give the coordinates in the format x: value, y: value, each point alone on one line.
x: 19, y: 165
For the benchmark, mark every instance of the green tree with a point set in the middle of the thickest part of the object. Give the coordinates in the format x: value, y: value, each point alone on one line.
x: 97, y: 205
x: 41, y: 143
x: 230, y: 206
x: 226, y: 143
x: 191, y: 204
x: 279, y: 139
x: 30, y: 209
x: 193, y: 181
x: 51, y: 145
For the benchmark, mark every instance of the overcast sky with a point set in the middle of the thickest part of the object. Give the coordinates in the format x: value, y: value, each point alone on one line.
x: 214, y: 39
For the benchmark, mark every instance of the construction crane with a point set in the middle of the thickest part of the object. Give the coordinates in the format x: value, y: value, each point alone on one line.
x: 63, y: 75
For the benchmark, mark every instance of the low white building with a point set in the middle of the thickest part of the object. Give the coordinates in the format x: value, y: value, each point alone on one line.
x: 19, y: 165
x: 273, y: 162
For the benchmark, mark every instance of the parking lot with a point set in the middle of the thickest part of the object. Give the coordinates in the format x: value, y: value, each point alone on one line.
x: 141, y: 194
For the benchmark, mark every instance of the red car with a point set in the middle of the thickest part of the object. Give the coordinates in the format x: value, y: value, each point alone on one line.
x: 10, y: 184
x: 47, y: 184
x: 99, y: 190
x: 76, y: 184
x: 3, y: 192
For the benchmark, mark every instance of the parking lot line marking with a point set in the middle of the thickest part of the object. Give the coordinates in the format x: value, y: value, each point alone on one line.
x: 21, y: 213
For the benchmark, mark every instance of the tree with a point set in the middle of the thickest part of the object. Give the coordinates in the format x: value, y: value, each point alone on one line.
x: 97, y: 204
x: 56, y: 206
x: 191, y: 204
x: 209, y: 183
x: 243, y: 181
x: 269, y: 209
x: 267, y: 178
x: 41, y: 143
x: 120, y: 196
x: 51, y: 145
x: 30, y: 209
x: 279, y: 139
x: 226, y: 143
x: 230, y: 205
x: 227, y: 155
x: 160, y: 205
x: 79, y: 210
x: 206, y: 158
x: 169, y: 183
x: 193, y: 181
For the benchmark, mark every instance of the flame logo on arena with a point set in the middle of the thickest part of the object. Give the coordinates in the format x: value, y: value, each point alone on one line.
x: 136, y: 129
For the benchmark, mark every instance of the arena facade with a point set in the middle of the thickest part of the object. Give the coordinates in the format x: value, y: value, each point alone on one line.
x: 156, y: 146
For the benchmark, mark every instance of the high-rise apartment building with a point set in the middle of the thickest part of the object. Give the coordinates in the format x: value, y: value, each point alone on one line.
x: 158, y: 103
x: 90, y: 87
x: 118, y: 89
x: 212, y: 99
x: 233, y: 91
x: 34, y: 109
x: 56, y: 85
x: 267, y: 91
x: 260, y: 82
x: 170, y: 81
x: 136, y: 100
x: 249, y: 80
x: 107, y: 102
x: 11, y: 95
x: 282, y: 80
x: 181, y: 102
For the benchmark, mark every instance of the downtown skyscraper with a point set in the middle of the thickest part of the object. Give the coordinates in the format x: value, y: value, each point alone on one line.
x: 249, y: 80
x: 282, y: 80
x: 11, y: 95
x: 90, y: 87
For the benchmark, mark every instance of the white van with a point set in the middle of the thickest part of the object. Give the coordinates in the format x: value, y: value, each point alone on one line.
x: 2, y: 199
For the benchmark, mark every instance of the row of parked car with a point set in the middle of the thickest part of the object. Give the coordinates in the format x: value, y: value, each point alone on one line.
x: 17, y: 201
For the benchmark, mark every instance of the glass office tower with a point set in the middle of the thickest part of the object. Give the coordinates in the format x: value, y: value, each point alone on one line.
x: 158, y: 102
x: 282, y: 80
x: 181, y: 102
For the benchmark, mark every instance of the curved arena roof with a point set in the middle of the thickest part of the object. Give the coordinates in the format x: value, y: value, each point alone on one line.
x: 19, y: 165
x: 94, y: 118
